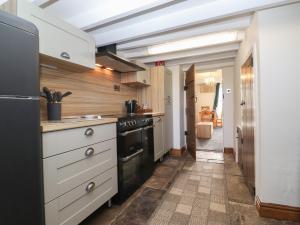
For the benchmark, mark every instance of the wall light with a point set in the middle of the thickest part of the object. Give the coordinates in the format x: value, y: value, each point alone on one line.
x: 195, y: 42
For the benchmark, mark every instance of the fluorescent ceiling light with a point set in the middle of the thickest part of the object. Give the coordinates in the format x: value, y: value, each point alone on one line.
x: 195, y: 42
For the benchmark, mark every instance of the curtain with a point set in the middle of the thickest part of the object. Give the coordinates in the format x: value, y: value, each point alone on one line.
x: 216, y: 96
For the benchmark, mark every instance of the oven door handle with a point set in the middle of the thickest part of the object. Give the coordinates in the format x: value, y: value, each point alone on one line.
x: 129, y: 132
x: 125, y: 159
x: 148, y: 127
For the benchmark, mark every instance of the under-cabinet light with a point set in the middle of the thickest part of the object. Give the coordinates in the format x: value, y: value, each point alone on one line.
x: 109, y: 68
x: 98, y: 65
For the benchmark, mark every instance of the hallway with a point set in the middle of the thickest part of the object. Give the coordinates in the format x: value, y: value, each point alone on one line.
x: 209, y: 194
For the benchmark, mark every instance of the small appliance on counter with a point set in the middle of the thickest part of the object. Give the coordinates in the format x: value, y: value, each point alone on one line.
x: 54, y: 99
x: 131, y: 106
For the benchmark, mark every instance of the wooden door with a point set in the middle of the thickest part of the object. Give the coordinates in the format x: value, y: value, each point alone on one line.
x: 247, y: 109
x: 190, y: 111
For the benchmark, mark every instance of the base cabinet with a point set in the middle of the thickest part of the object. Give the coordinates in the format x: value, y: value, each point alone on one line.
x: 74, y: 206
x: 159, y: 149
x: 80, y: 172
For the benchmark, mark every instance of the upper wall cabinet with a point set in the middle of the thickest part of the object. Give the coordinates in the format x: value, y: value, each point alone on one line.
x: 139, y: 78
x: 58, y: 39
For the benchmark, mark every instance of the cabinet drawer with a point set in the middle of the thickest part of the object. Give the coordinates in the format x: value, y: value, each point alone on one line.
x: 76, y: 205
x: 58, y: 142
x: 67, y: 171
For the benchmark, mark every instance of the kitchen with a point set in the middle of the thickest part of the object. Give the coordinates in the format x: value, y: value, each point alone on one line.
x: 98, y: 112
x: 94, y: 145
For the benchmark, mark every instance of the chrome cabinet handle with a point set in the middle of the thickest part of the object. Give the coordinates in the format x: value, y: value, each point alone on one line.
x: 90, y: 187
x: 89, y: 152
x: 89, y: 132
x: 65, y: 55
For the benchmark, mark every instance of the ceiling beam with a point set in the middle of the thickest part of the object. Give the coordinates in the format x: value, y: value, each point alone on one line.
x: 202, y: 67
x: 239, y: 23
x: 43, y: 3
x: 200, y: 13
x: 96, y: 24
x: 201, y: 59
x: 191, y: 53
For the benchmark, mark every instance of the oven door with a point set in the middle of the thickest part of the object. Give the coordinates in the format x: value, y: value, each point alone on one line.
x: 148, y: 156
x: 130, y: 174
x: 129, y: 142
x: 130, y: 159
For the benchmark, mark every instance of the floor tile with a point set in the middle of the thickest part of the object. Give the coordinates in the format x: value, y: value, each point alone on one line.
x: 217, y: 207
x: 205, y: 190
x: 185, y: 209
x: 194, y: 177
x: 179, y: 219
x: 176, y: 191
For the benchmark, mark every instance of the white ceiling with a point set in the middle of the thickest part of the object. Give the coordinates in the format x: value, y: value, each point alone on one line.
x: 135, y: 25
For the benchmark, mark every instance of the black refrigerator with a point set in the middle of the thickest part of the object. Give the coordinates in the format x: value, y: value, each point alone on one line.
x: 21, y: 183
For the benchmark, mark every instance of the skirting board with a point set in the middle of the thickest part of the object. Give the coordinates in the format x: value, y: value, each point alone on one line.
x: 177, y: 152
x: 276, y: 211
x: 229, y: 151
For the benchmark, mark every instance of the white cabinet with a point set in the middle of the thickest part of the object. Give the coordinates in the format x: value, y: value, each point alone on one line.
x: 159, y: 149
x: 80, y: 172
x: 58, y: 39
x: 168, y: 102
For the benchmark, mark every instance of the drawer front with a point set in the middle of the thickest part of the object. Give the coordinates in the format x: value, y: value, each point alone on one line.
x: 64, y: 172
x: 58, y: 142
x: 76, y: 205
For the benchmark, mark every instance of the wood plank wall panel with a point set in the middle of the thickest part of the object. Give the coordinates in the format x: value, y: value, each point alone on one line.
x: 93, y: 91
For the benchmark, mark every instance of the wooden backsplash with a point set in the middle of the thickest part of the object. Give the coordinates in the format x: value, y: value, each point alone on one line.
x: 93, y: 91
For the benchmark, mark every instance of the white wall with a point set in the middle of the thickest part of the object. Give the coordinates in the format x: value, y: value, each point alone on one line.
x: 274, y: 37
x: 228, y: 107
x: 178, y: 126
x: 279, y: 38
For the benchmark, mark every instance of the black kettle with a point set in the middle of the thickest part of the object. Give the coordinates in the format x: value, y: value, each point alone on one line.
x: 131, y: 106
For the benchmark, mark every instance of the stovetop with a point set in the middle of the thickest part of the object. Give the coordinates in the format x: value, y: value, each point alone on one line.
x: 128, y: 122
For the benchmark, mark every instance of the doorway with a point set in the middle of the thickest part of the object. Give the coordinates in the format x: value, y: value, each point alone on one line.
x: 208, y: 113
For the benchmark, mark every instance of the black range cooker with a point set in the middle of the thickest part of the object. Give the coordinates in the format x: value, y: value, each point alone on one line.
x: 135, y: 149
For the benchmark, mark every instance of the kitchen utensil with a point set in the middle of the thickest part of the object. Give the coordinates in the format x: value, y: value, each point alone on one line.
x: 66, y: 94
x: 131, y: 106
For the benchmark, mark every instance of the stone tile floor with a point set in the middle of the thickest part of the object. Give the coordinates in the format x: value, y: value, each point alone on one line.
x: 199, y: 196
x: 190, y: 193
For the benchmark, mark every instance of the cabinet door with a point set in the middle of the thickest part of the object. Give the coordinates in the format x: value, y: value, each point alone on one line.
x: 158, y: 138
x: 168, y: 126
x: 59, y: 39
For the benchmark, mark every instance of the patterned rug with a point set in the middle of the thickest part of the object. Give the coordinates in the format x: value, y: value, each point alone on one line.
x: 215, y: 143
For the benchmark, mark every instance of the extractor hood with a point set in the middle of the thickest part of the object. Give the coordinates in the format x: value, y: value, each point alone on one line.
x: 107, y: 57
